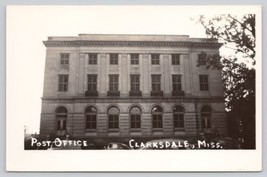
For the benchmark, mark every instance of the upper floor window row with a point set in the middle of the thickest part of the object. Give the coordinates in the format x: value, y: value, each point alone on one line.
x: 63, y: 82
x: 134, y: 58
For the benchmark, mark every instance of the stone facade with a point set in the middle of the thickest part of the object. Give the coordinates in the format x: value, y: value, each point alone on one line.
x: 202, y: 108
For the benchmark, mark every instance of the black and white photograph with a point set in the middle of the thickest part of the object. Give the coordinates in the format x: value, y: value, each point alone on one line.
x: 116, y: 82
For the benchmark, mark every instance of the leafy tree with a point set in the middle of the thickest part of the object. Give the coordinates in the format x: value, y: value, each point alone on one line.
x: 238, y: 73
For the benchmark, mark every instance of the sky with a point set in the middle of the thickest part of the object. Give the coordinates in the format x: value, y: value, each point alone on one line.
x: 28, y: 26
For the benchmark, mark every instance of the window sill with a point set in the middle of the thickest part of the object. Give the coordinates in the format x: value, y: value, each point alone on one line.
x: 113, y: 130
x: 157, y: 129
x: 178, y: 93
x: 156, y: 93
x: 135, y: 129
x: 90, y: 130
x: 135, y: 93
x: 113, y: 93
x: 91, y: 93
x: 64, y: 67
x: 179, y: 129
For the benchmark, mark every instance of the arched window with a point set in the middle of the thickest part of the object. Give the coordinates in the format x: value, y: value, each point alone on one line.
x: 178, y: 117
x: 113, y: 117
x: 135, y: 116
x: 206, y: 117
x: 90, y: 117
x: 157, y: 113
x: 61, y: 118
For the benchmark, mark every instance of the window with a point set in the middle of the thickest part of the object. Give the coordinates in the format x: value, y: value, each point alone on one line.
x: 202, y: 58
x: 135, y: 82
x: 92, y: 59
x: 61, y: 118
x: 63, y: 82
x: 176, y: 82
x: 204, y: 82
x: 157, y: 117
x: 114, y: 57
x: 155, y: 59
x: 92, y: 82
x: 135, y: 115
x: 90, y: 117
x: 64, y: 58
x: 175, y: 59
x: 206, y: 117
x: 178, y: 117
x: 113, y: 82
x: 135, y: 59
x: 113, y: 118
x: 156, y: 83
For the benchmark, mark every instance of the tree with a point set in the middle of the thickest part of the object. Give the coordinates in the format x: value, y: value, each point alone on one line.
x: 237, y: 34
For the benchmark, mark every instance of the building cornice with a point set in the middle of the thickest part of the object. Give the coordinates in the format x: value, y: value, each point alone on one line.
x: 80, y: 43
x: 123, y: 99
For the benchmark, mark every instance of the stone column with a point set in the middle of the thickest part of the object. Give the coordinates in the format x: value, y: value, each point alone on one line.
x: 166, y: 76
x: 103, y: 76
x: 124, y: 75
x: 81, y: 73
x: 186, y: 74
x: 145, y: 74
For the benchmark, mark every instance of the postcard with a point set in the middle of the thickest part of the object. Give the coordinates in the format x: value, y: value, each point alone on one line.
x: 133, y: 88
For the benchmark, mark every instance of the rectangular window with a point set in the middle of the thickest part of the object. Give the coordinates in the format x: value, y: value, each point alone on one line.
x: 204, y: 82
x: 202, y: 58
x: 134, y: 59
x: 92, y: 59
x: 92, y: 82
x: 114, y: 57
x: 156, y: 83
x: 135, y: 121
x: 64, y: 58
x: 90, y: 121
x: 113, y: 121
x: 177, y: 82
x: 135, y: 82
x: 113, y: 82
x: 175, y: 59
x: 178, y: 120
x: 63, y: 82
x: 155, y: 59
x: 157, y: 121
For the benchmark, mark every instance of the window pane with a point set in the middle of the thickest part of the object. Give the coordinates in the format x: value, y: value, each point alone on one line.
x: 156, y: 85
x: 155, y: 59
x: 202, y: 58
x: 113, y: 82
x: 203, y: 82
x: 114, y: 59
x: 134, y: 59
x: 64, y: 58
x: 58, y: 125
x: 92, y: 58
x: 176, y: 82
x: 206, y: 117
x: 157, y: 121
x: 64, y: 125
x: 63, y: 82
x: 134, y: 82
x: 176, y: 59
x: 113, y: 121
x: 92, y: 82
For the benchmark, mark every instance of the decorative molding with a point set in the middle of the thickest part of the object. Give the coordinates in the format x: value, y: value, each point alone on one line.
x: 79, y: 43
